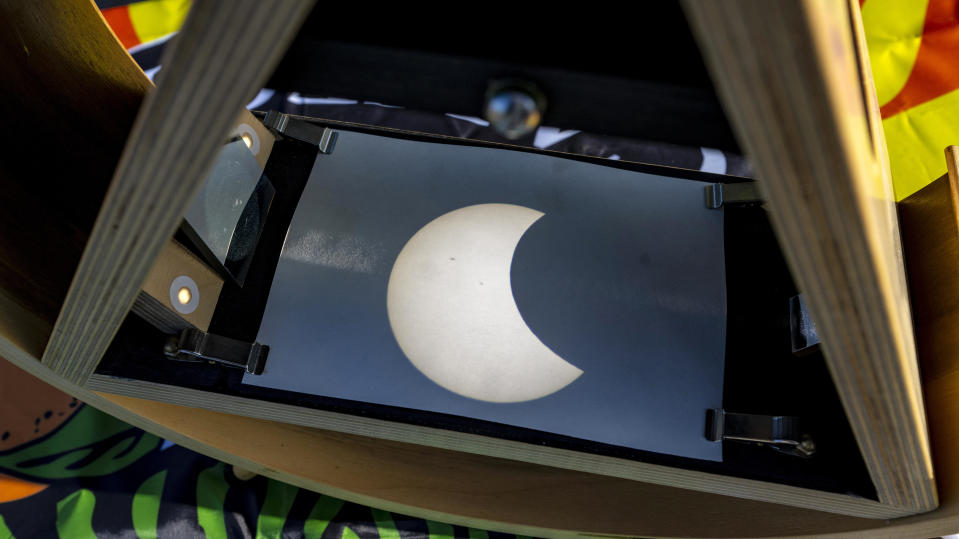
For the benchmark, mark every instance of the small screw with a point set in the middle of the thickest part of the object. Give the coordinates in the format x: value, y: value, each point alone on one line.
x: 513, y: 108
x: 808, y: 446
x: 171, y: 346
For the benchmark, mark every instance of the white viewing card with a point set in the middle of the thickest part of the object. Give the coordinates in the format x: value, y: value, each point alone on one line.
x: 524, y: 289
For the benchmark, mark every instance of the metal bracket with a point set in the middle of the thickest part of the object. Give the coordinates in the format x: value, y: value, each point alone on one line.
x: 198, y: 346
x: 322, y: 137
x: 779, y: 432
x: 744, y: 193
x: 803, y: 336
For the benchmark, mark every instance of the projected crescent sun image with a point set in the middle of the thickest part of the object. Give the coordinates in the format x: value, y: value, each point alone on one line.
x: 451, y: 307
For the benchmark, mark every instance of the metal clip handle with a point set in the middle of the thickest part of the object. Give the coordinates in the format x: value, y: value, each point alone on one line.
x: 198, y: 346
x: 322, y: 137
x: 779, y: 432
x: 744, y: 193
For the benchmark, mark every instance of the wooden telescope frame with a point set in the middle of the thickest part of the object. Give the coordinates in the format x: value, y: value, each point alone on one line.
x: 795, y: 81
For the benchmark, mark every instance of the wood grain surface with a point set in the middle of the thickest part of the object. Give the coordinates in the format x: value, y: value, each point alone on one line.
x: 153, y: 302
x: 502, y: 449
x: 70, y: 94
x: 221, y: 57
x: 792, y: 80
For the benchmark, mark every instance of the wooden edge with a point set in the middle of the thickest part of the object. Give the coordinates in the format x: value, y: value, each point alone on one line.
x: 868, y: 84
x: 203, y: 285
x: 158, y: 315
x: 876, y: 198
x: 504, y: 449
x: 221, y: 56
x: 952, y: 170
x: 790, y: 79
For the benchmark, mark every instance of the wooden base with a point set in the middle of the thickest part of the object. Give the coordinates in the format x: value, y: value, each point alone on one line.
x: 604, y: 467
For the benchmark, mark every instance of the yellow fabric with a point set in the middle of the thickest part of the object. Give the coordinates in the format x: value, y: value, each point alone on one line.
x: 893, y: 33
x: 916, y: 139
x: 154, y: 19
x: 916, y: 136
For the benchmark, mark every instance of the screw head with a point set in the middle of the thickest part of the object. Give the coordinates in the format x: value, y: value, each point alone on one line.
x: 513, y: 112
x: 170, y: 346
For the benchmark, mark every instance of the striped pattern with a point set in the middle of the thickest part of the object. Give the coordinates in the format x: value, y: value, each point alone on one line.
x: 222, y: 56
x: 804, y: 116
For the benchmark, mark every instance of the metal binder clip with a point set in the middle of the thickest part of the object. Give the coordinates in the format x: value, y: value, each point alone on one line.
x: 780, y: 432
x: 744, y: 193
x: 322, y: 137
x: 195, y: 345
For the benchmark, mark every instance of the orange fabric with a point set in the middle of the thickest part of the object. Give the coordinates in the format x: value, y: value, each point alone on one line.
x: 12, y: 489
x: 934, y: 72
x: 30, y: 408
x: 119, y: 20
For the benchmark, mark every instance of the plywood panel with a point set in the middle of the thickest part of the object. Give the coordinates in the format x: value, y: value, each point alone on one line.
x: 792, y: 80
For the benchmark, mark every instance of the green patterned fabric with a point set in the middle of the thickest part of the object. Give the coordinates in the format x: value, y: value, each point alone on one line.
x: 96, y: 476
